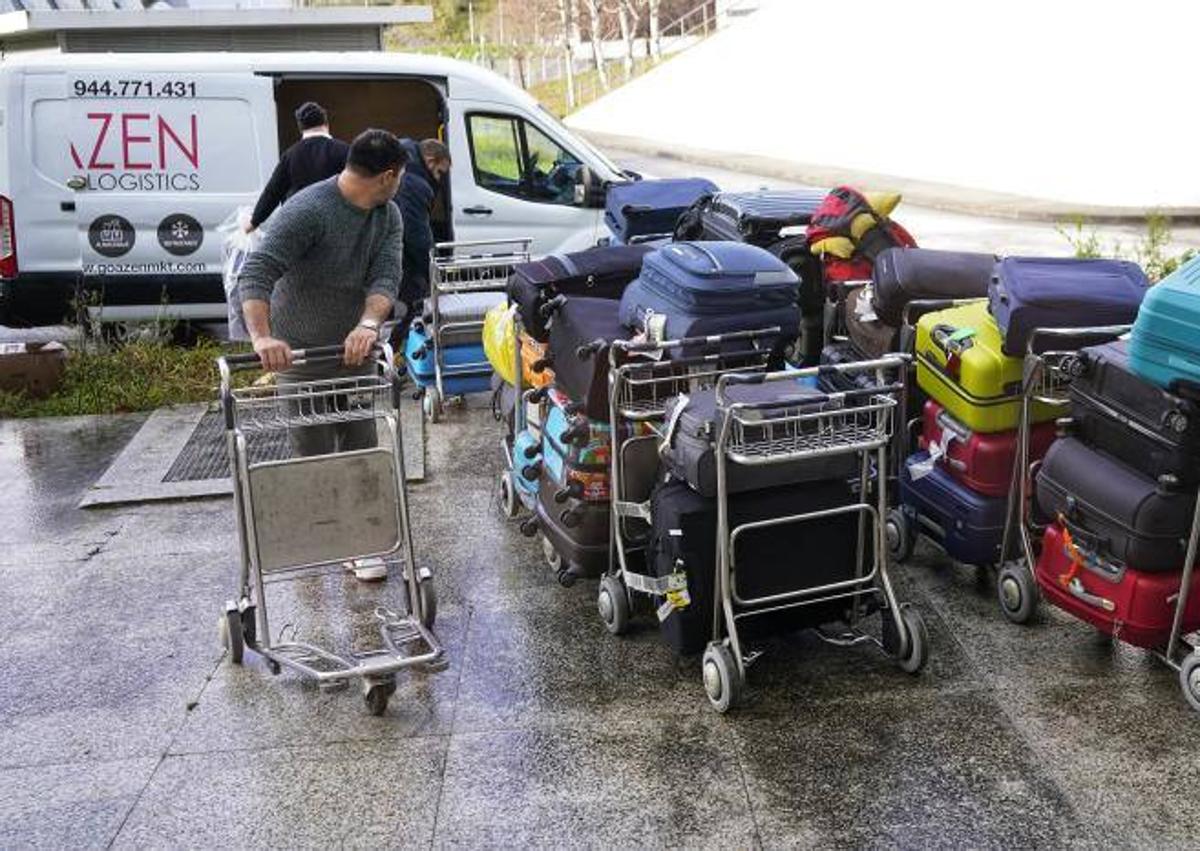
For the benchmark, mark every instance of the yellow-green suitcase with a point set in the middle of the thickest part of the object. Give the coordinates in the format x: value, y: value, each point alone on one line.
x: 960, y: 365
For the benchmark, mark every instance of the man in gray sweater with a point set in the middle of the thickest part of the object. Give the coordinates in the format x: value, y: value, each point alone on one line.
x: 328, y: 273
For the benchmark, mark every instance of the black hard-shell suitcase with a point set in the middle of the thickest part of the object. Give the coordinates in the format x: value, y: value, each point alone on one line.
x: 908, y: 274
x: 578, y: 530
x: 601, y: 272
x: 1133, y: 420
x: 581, y: 330
x: 769, y: 560
x: 689, y: 447
x: 757, y: 217
x: 1113, y: 509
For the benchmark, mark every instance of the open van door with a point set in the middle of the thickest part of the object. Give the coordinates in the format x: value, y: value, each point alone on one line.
x: 521, y: 181
x: 158, y: 162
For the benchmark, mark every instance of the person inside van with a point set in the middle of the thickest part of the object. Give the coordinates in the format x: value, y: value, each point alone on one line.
x: 429, y: 163
x: 317, y: 156
x: 328, y: 274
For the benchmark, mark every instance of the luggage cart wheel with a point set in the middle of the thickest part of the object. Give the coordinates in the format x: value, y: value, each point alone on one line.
x: 565, y: 577
x: 431, y: 404
x: 1017, y: 591
x: 229, y: 627
x: 722, y: 682
x: 901, y: 537
x: 376, y: 694
x: 249, y: 626
x: 1189, y: 678
x: 428, y: 600
x: 553, y: 559
x: 613, y: 603
x: 918, y: 641
x: 508, y: 496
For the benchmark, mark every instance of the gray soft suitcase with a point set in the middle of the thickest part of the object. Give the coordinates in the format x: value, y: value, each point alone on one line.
x: 454, y: 308
x: 693, y: 423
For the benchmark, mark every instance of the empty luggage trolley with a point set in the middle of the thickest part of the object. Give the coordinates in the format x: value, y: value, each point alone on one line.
x: 467, y: 279
x: 307, y: 516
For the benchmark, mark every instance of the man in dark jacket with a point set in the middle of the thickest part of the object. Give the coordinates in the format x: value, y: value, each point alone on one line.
x: 428, y: 164
x: 316, y: 157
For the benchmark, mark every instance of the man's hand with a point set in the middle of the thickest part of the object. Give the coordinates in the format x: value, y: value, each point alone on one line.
x: 359, y: 344
x: 275, y: 354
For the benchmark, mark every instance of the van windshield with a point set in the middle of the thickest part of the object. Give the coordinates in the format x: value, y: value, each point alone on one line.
x: 579, y: 140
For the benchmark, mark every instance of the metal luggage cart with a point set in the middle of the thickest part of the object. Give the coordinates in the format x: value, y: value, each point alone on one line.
x: 859, y: 422
x: 476, y: 266
x: 1047, y: 377
x: 1051, y: 362
x: 306, y: 516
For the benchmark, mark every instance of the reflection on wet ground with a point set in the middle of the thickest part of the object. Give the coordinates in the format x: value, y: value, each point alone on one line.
x: 120, y: 724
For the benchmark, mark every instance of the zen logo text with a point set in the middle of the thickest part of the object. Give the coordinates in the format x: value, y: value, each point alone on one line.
x: 138, y: 151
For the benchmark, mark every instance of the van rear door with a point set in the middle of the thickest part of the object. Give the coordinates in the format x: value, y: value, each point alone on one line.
x: 158, y: 161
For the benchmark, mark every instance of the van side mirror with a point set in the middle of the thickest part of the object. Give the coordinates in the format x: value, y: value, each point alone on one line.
x: 590, y: 191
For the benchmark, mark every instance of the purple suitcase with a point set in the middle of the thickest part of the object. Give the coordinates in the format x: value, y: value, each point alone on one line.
x: 1028, y: 293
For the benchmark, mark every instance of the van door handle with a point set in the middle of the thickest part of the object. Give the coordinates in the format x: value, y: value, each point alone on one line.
x: 67, y: 206
x: 478, y: 211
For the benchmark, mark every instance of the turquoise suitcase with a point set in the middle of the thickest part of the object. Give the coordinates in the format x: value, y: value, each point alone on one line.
x: 1164, y: 347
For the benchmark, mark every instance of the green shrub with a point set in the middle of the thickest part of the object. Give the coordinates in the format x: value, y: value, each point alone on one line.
x: 1151, y: 252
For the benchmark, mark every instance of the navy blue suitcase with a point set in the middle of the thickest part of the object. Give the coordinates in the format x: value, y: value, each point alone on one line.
x: 969, y: 526
x: 601, y: 272
x: 696, y: 289
x: 1028, y: 293
x: 645, y: 209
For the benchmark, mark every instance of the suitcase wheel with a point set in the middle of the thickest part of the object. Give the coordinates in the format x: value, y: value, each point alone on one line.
x: 1189, y: 679
x: 553, y: 560
x: 1017, y: 590
x: 722, y: 680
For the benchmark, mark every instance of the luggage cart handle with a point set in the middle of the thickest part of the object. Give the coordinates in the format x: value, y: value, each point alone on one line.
x: 313, y: 354
x: 633, y: 346
x: 1077, y: 337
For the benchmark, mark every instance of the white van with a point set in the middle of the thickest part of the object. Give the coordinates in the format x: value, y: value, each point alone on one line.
x: 115, y: 169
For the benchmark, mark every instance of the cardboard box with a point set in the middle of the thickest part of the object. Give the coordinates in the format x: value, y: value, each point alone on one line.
x: 35, y: 369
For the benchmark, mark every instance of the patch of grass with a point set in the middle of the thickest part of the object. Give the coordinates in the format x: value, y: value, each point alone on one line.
x: 1151, y: 252
x: 138, y: 376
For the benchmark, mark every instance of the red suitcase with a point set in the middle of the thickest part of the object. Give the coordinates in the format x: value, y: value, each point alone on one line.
x: 1128, y: 604
x: 982, y: 462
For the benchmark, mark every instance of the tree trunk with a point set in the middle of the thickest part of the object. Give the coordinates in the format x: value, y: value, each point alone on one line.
x: 593, y: 10
x: 566, y: 11
x: 655, y: 35
x: 627, y: 15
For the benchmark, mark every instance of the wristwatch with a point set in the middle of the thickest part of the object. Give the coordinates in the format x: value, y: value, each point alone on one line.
x: 373, y: 324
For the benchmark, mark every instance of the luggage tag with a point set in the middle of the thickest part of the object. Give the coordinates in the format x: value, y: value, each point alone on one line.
x: 655, y: 325
x: 937, y: 451
x: 673, y: 423
x: 676, y: 596
x: 864, y: 308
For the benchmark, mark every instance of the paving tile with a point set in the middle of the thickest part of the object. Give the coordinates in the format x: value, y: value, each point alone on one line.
x: 70, y: 805
x: 359, y: 795
x: 937, y: 770
x: 670, y: 783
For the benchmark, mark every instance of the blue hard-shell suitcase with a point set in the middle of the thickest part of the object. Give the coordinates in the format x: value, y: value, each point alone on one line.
x: 461, y: 371
x: 649, y: 208
x: 1164, y: 347
x: 969, y: 526
x: 1028, y: 293
x: 703, y: 288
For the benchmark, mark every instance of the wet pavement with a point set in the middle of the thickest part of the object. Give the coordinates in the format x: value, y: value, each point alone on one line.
x: 120, y: 724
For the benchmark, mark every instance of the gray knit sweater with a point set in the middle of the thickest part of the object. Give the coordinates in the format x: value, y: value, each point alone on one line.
x: 320, y: 258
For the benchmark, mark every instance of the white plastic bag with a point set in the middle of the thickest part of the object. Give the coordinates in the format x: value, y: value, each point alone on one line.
x: 236, y: 247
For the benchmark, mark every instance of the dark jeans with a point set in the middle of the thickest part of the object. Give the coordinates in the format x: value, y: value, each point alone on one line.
x: 327, y: 438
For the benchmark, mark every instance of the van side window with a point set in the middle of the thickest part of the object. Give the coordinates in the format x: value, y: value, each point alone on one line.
x: 513, y: 157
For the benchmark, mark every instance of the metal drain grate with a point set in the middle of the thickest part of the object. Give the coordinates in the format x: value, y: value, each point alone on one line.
x: 204, y: 456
